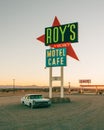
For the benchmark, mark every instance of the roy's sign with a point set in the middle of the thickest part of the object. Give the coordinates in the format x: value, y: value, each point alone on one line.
x: 61, y: 34
x: 56, y: 57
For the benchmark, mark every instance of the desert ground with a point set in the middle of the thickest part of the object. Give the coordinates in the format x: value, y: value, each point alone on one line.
x: 84, y: 112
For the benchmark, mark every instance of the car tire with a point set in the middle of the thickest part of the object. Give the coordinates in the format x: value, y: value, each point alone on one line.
x: 31, y: 106
x: 22, y: 102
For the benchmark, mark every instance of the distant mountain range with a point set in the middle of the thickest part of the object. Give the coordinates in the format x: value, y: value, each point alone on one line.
x: 22, y: 86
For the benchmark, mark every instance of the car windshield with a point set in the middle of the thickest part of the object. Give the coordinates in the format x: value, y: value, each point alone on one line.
x: 35, y: 96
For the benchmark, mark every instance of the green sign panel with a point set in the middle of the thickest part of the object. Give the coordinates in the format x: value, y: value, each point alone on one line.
x: 61, y: 34
x: 56, y: 57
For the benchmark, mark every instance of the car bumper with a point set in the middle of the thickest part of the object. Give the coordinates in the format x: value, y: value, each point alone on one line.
x: 42, y: 104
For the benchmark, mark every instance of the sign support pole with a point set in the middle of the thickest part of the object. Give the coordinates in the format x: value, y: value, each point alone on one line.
x: 62, y: 85
x: 50, y: 82
x: 62, y: 82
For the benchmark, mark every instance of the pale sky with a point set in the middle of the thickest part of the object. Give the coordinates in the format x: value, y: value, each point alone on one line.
x: 22, y: 56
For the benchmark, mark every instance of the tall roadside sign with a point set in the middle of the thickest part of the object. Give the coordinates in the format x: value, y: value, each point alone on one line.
x: 59, y: 38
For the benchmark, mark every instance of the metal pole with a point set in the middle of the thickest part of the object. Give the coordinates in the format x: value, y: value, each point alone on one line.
x: 14, y: 85
x: 69, y: 88
x: 50, y: 82
x: 96, y: 90
x: 62, y: 89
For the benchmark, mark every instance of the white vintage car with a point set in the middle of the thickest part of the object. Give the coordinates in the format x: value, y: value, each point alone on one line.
x: 35, y: 100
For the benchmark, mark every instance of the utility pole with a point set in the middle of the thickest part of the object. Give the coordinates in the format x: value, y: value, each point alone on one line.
x: 13, y: 85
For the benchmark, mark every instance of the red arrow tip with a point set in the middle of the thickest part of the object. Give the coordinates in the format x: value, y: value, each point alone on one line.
x: 41, y: 38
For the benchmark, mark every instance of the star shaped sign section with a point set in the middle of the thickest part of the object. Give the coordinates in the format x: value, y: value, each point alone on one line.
x: 67, y: 45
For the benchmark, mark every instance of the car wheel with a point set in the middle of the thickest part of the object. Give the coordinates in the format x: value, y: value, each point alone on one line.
x: 22, y: 102
x: 31, y: 106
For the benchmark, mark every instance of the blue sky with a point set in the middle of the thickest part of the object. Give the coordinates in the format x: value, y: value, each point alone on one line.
x: 23, y: 57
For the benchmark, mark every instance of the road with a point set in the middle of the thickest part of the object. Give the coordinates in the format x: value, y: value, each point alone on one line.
x: 84, y: 112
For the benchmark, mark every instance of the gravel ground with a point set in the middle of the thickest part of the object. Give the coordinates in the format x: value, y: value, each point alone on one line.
x: 84, y: 112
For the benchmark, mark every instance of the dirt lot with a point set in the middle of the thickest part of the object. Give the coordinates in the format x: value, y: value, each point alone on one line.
x: 84, y: 112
